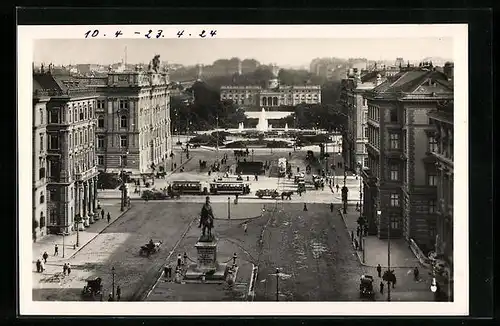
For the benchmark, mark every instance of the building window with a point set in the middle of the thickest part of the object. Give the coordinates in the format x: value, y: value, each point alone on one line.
x: 433, y: 144
x: 81, y: 114
x: 365, y: 163
x: 366, y: 132
x: 100, y: 141
x: 41, y: 173
x: 100, y: 159
x: 54, y: 142
x: 394, y: 141
x: 41, y: 116
x: 394, y: 200
x: 432, y: 180
x: 395, y: 222
x: 42, y: 198
x: 394, y: 172
x: 123, y: 121
x: 123, y: 141
x: 100, y: 122
x: 80, y: 138
x: 54, y: 116
x: 393, y: 113
x: 432, y: 206
x: 75, y: 117
x: 123, y: 104
x: 42, y: 143
x: 86, y: 113
x: 123, y: 160
x: 42, y: 220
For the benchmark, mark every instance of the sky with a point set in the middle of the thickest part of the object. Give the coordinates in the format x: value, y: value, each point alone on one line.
x: 289, y: 52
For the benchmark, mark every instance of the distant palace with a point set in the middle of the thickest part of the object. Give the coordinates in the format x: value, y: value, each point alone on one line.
x: 274, y: 95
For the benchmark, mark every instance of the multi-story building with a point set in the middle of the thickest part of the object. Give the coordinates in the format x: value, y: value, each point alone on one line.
x: 67, y: 165
x: 401, y: 178
x: 39, y: 145
x: 133, y: 121
x: 355, y: 109
x: 441, y: 147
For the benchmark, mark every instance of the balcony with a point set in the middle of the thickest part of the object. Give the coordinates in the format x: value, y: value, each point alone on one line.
x: 85, y: 175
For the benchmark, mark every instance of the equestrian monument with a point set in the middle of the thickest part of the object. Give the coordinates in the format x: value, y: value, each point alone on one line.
x: 207, y: 267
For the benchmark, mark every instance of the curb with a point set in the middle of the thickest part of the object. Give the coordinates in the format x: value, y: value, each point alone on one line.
x: 357, y: 251
x: 92, y: 239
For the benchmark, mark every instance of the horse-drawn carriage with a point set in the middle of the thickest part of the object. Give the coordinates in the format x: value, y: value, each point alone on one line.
x: 150, y: 248
x: 366, y: 287
x: 93, y: 287
x: 273, y: 193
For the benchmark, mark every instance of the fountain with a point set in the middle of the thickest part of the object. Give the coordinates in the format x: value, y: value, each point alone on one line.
x: 286, y: 127
x: 241, y: 126
x: 263, y: 122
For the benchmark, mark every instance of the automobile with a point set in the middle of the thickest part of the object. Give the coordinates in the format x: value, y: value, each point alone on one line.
x: 366, y: 287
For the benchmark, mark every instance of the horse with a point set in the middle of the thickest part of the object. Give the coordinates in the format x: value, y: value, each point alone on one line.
x: 287, y: 194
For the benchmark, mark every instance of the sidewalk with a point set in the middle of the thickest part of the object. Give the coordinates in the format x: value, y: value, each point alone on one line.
x: 376, y: 249
x: 47, y: 243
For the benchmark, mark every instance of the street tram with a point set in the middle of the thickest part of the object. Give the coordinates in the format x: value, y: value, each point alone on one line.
x: 229, y: 188
x: 187, y: 187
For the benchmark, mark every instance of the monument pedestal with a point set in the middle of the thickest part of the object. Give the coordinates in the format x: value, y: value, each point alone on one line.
x: 207, y: 267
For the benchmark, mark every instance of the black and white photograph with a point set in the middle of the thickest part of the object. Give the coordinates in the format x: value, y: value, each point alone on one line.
x: 285, y: 172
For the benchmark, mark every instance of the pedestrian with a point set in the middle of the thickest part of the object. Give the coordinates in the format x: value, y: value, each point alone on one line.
x: 381, y: 287
x: 356, y: 244
x: 248, y: 178
x: 65, y: 268
x: 245, y: 226
x: 185, y: 258
x: 337, y: 186
x: 352, y: 235
x: 102, y: 213
x: 298, y: 169
x: 110, y: 297
x: 68, y: 268
x: 358, y: 231
x: 305, y: 207
x: 331, y: 207
x: 42, y: 267
x: 416, y: 273
x: 45, y: 256
x: 109, y: 217
x: 179, y: 260
x: 379, y: 270
x: 168, y: 271
x: 118, y: 293
x: 38, y: 265
x: 56, y: 250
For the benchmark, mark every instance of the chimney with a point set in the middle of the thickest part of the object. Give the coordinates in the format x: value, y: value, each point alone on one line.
x: 448, y: 70
x: 379, y: 80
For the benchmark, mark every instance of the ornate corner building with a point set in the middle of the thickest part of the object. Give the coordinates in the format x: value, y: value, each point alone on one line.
x: 133, y: 121
x: 64, y: 169
x: 401, y: 178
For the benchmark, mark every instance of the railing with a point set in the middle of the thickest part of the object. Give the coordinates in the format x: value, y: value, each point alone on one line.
x: 68, y: 92
x: 86, y: 174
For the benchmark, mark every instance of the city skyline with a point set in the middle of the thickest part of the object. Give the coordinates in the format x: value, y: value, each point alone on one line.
x: 289, y: 52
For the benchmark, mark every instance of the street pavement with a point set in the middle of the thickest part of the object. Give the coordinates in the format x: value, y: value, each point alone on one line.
x: 403, y: 261
x: 317, y: 262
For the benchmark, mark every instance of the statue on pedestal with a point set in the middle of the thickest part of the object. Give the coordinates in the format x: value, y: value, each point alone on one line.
x: 206, y: 221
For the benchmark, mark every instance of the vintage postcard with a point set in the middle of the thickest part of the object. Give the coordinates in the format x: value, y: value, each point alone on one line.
x: 243, y: 170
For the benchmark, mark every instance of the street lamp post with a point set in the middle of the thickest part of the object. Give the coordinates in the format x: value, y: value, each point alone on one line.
x: 379, y: 214
x: 361, y: 219
x: 277, y: 284
x: 122, y: 204
x: 113, y: 282
x: 78, y: 220
x: 217, y: 129
x: 228, y: 208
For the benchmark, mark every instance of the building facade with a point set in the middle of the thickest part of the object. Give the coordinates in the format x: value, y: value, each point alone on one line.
x: 39, y: 145
x: 133, y: 121
x: 442, y: 150
x: 401, y: 177
x: 355, y: 109
x: 68, y: 165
